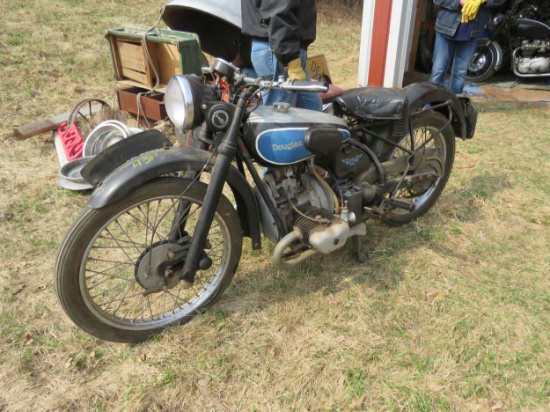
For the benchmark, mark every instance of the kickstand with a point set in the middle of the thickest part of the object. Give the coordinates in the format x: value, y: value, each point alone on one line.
x: 356, y: 244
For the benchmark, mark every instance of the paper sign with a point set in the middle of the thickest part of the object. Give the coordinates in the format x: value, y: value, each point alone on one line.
x: 317, y: 65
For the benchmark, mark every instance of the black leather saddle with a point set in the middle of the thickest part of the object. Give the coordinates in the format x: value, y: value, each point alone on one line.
x: 373, y: 103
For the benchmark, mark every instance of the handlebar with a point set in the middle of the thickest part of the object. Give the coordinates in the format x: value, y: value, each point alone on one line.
x: 223, y: 68
x: 289, y: 85
x: 306, y: 85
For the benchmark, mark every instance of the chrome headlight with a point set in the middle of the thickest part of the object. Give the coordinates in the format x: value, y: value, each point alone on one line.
x: 183, y: 97
x: 499, y: 18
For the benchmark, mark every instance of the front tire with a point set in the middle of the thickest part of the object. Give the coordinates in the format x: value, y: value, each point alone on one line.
x: 483, y: 64
x: 424, y: 194
x: 100, y: 278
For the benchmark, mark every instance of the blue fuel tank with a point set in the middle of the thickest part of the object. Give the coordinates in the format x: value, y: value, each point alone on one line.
x: 276, y: 138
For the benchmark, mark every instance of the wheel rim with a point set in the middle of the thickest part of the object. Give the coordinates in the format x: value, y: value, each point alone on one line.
x: 480, y: 63
x: 421, y: 136
x: 109, y: 285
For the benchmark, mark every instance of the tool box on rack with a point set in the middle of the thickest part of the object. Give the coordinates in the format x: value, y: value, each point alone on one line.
x: 147, y: 59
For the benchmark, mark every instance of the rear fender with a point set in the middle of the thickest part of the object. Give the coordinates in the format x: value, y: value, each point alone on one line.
x: 155, y: 163
x: 464, y: 113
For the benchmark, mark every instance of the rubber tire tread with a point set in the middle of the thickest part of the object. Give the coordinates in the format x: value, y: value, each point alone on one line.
x: 437, y: 120
x: 84, y: 229
x: 492, y: 69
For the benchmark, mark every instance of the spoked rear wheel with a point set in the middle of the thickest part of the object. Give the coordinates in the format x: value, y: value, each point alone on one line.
x: 114, y: 273
x: 423, y: 187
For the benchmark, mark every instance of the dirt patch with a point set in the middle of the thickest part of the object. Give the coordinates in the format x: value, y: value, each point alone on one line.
x: 513, y: 94
x: 500, y: 88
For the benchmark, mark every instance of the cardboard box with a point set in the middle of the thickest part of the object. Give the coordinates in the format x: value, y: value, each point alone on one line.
x: 317, y: 66
x: 151, y: 105
x: 139, y: 59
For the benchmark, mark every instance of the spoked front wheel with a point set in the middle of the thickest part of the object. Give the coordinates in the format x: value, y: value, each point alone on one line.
x: 483, y: 64
x: 115, y: 274
x: 434, y: 142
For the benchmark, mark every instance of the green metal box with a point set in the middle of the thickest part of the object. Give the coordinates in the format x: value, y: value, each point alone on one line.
x: 148, y: 59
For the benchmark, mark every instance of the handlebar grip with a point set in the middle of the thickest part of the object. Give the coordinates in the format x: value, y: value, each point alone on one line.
x: 306, y: 85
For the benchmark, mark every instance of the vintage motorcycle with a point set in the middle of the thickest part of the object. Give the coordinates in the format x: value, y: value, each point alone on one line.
x: 161, y: 235
x: 519, y: 39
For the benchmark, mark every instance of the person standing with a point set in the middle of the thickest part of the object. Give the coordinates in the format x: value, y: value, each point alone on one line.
x: 281, y: 31
x: 459, y: 23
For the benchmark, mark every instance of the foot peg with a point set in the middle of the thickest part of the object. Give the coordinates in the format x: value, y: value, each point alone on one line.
x: 409, y: 207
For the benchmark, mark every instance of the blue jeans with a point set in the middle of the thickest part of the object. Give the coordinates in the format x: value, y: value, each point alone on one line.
x: 457, y: 52
x: 266, y: 65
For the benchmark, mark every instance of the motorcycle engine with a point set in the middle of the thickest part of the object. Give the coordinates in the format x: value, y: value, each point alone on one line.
x: 307, y: 191
x: 535, y: 57
x: 290, y: 183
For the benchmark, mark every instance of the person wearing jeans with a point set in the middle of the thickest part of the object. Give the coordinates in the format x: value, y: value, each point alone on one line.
x: 267, y: 65
x: 281, y: 31
x: 459, y: 24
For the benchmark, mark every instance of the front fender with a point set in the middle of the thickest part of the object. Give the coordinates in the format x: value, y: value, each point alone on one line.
x: 113, y: 156
x: 155, y: 163
x: 464, y: 112
x: 499, y: 54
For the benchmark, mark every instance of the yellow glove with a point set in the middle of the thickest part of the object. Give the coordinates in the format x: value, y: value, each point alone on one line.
x: 470, y: 9
x: 295, y: 70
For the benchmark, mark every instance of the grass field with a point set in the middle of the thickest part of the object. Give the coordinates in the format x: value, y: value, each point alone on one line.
x: 451, y: 312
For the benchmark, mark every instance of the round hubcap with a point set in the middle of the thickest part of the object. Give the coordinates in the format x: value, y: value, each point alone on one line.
x: 153, y: 272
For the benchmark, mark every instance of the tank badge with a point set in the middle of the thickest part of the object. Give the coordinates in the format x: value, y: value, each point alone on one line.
x: 352, y: 161
x: 286, y: 146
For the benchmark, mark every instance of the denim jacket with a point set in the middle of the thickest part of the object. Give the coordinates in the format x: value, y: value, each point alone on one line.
x: 450, y: 14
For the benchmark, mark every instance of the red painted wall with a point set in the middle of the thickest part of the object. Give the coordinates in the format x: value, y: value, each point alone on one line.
x: 379, y: 42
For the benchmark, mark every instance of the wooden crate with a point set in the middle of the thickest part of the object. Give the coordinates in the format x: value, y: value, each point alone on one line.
x: 132, y: 62
x: 151, y: 106
x: 138, y: 60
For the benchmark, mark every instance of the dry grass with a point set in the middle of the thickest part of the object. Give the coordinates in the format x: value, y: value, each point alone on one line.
x: 451, y: 313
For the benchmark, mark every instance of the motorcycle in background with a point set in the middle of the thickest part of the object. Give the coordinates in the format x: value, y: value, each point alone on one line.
x: 520, y: 39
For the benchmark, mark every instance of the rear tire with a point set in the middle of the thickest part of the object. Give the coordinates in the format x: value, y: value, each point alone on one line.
x: 424, y: 194
x: 103, y: 274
